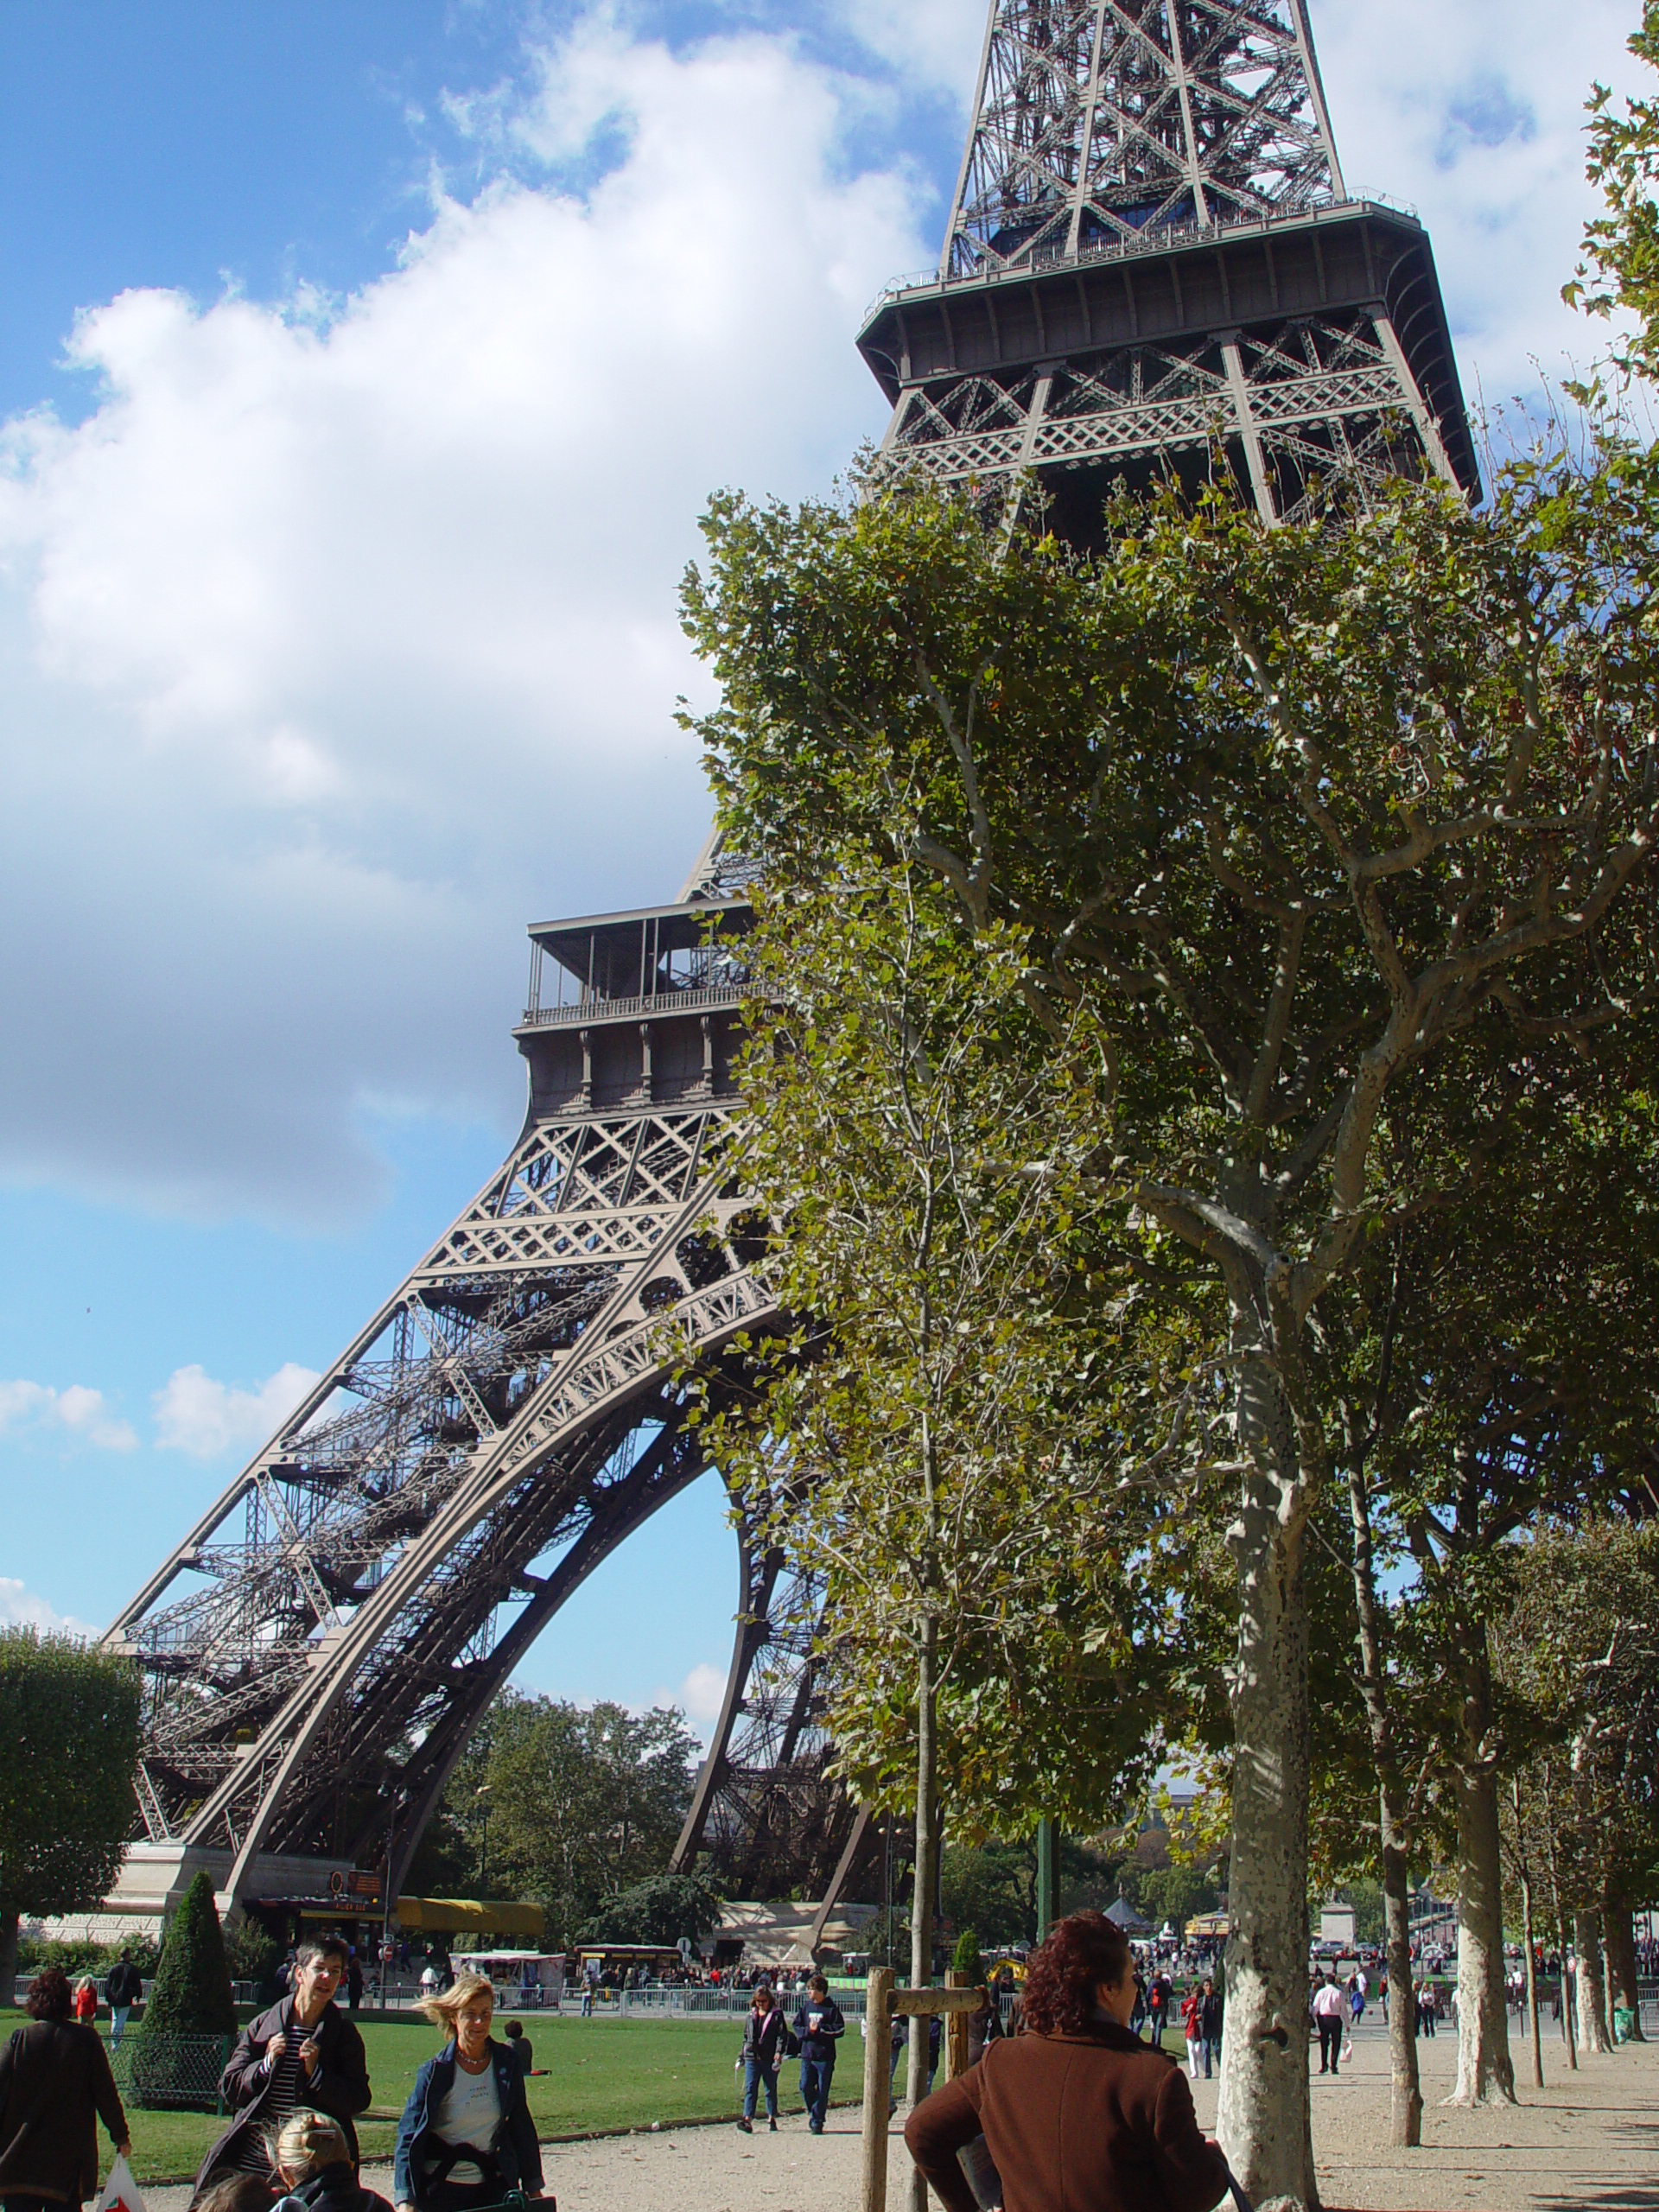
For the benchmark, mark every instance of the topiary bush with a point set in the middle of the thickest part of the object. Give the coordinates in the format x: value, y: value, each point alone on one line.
x: 190, y: 2013
x: 966, y: 1959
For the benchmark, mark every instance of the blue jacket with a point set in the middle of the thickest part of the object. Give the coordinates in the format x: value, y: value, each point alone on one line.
x: 515, y: 2147
x: 819, y: 2048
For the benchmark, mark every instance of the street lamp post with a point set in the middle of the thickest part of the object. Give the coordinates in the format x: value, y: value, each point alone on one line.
x: 483, y: 1791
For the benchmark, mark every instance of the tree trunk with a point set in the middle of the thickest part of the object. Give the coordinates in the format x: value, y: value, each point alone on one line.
x: 1619, y: 1923
x: 1592, y: 1991
x: 1406, y: 2094
x: 1569, y: 1998
x: 1532, y: 1984
x: 1263, y: 2122
x: 926, y: 1881
x: 1485, y: 2070
x: 1560, y: 1923
x: 8, y: 1956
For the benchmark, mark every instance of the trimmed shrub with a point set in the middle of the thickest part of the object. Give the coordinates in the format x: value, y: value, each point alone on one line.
x: 191, y: 1994
x: 190, y: 2018
x: 966, y: 1959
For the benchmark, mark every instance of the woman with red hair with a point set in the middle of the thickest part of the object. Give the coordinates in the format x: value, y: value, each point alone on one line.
x: 1075, y: 2110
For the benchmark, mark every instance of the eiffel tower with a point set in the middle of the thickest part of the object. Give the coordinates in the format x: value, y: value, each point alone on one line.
x: 1152, y: 258
x: 320, y: 1647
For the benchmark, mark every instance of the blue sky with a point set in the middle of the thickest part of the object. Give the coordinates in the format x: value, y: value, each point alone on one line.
x: 363, y: 370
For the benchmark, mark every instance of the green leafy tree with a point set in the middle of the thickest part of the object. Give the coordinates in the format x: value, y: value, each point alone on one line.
x: 662, y: 1910
x: 583, y: 1802
x: 925, y: 1442
x: 991, y: 1890
x: 1301, y: 820
x: 967, y: 1958
x: 1620, y: 271
x: 251, y: 1954
x: 1577, y: 1650
x: 69, y: 1721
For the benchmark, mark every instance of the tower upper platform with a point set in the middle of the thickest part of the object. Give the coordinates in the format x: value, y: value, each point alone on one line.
x: 1152, y: 256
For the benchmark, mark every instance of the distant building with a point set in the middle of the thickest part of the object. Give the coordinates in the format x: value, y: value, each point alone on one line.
x: 1337, y: 1924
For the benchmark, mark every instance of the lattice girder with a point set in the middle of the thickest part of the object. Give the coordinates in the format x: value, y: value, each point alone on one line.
x: 1101, y: 120
x: 318, y: 1650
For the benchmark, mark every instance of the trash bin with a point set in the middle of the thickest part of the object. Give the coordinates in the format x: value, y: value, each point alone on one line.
x: 1624, y: 2023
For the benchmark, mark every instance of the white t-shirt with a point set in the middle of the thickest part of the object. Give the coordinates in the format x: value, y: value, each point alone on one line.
x: 472, y: 2110
x: 1327, y: 2000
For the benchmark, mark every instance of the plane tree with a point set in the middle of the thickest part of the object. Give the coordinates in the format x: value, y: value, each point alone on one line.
x: 932, y: 1440
x: 1290, y: 814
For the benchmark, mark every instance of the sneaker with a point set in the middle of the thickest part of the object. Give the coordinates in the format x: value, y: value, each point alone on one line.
x: 748, y: 2126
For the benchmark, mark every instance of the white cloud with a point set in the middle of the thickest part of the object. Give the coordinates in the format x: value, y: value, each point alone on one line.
x: 936, y: 43
x: 331, y: 652
x: 701, y: 1693
x: 20, y: 1608
x: 78, y: 1409
x: 196, y: 1414
x: 698, y: 1697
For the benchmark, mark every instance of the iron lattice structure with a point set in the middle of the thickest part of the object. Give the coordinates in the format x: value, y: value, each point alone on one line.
x: 320, y: 1647
x: 1152, y: 257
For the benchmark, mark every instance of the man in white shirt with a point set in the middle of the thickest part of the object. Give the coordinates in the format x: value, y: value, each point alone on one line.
x: 1328, y: 2012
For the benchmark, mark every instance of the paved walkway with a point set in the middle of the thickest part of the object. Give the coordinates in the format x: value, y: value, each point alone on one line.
x: 1589, y: 2142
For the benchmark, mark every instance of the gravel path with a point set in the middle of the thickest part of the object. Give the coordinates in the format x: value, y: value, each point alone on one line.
x: 1587, y: 2143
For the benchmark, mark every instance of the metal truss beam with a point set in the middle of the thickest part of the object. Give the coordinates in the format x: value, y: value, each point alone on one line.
x: 1105, y: 120
x: 320, y: 1647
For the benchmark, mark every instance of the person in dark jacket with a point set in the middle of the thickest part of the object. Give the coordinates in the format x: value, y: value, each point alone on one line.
x: 468, y: 2109
x: 766, y: 2041
x: 1210, y: 2021
x: 314, y: 2168
x: 819, y: 2027
x: 984, y: 2026
x: 54, y: 2082
x: 302, y: 2051
x: 123, y: 1989
x: 1076, y: 2110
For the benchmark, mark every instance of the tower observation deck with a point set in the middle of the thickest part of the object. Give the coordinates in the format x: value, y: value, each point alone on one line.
x: 1152, y: 259
x: 1151, y: 255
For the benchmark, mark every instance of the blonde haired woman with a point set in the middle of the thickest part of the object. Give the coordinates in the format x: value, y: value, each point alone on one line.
x: 312, y: 2162
x: 466, y: 2137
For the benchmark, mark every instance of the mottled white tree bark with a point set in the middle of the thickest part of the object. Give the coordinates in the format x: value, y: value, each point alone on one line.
x: 1263, y: 2121
x: 1593, y: 2033
x: 1485, y: 2070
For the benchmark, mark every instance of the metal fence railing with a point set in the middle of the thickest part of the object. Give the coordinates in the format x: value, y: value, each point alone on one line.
x: 164, y: 2073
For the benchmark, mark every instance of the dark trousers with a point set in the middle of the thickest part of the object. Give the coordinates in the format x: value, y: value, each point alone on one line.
x: 1329, y: 2041
x: 817, y: 2073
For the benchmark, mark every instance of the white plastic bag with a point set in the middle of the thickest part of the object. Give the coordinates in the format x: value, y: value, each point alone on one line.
x: 120, y: 2191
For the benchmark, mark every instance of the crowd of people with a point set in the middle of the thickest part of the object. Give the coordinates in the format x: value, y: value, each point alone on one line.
x: 1087, y: 2071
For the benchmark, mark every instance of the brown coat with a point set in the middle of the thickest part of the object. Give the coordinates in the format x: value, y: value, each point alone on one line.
x: 55, y: 2080
x: 1095, y: 2123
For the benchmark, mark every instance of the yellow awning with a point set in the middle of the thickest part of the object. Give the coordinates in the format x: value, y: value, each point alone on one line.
x: 470, y: 1916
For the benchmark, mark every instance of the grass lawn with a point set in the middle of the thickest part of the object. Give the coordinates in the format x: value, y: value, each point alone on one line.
x: 600, y: 2074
